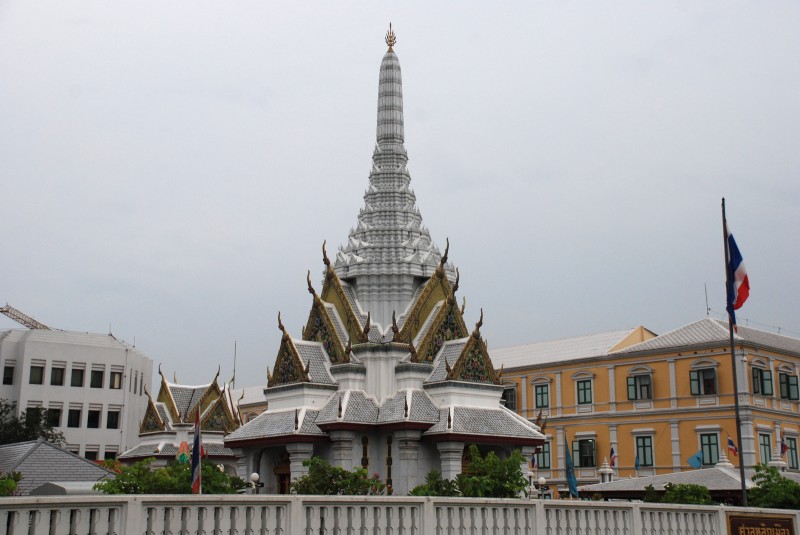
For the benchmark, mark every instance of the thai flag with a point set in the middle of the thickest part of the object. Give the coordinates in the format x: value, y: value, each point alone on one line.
x: 197, y: 448
x: 535, y: 461
x: 613, y: 458
x: 732, y: 447
x: 784, y: 447
x: 738, y: 283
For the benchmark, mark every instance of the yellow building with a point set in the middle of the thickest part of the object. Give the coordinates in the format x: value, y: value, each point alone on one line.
x: 657, y: 401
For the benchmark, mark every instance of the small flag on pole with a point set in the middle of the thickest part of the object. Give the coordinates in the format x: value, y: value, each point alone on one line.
x: 732, y: 447
x: 636, y: 464
x: 197, y: 448
x: 738, y: 283
x: 572, y: 481
x: 784, y: 447
x: 613, y: 458
x: 696, y: 460
x: 535, y: 461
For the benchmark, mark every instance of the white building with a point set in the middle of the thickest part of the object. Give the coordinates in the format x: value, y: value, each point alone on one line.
x: 385, y: 375
x: 92, y: 385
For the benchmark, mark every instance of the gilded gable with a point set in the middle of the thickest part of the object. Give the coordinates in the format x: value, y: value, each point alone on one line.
x: 333, y: 293
x: 473, y: 364
x: 436, y: 289
x: 289, y: 367
x: 320, y: 329
x: 218, y: 419
x: 152, y: 422
x: 447, y: 325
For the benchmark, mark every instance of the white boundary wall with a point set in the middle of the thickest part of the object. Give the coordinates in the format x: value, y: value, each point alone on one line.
x: 357, y: 515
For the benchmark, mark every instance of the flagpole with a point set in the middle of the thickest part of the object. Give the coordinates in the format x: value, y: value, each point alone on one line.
x: 728, y: 285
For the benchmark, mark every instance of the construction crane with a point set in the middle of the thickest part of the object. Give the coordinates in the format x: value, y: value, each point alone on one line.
x: 22, y: 318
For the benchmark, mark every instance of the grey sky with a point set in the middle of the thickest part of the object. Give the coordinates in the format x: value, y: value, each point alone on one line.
x: 170, y: 169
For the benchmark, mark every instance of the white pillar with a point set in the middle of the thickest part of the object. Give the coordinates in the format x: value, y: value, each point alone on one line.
x: 450, y: 454
x: 299, y: 452
x: 407, y: 474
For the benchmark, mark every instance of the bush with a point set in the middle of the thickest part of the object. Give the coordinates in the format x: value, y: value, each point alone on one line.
x: 31, y: 425
x: 8, y: 483
x: 686, y: 493
x: 324, y: 479
x: 486, y: 477
x: 772, y: 490
x: 141, y: 478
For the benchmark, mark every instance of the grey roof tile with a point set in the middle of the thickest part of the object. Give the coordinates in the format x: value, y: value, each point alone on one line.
x: 404, y: 316
x: 488, y: 422
x: 350, y: 293
x: 273, y: 424
x: 421, y: 408
x: 450, y: 352
x: 428, y: 321
x: 341, y: 332
x: 213, y: 449
x: 312, y: 353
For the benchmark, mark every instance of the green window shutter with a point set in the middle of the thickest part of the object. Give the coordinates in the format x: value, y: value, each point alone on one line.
x: 631, y: 387
x: 694, y: 382
x: 794, y: 391
x: 756, y: 380
x: 767, y: 375
x: 576, y: 453
x: 783, y: 385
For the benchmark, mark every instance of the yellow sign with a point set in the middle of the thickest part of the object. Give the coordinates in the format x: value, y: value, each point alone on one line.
x: 760, y: 524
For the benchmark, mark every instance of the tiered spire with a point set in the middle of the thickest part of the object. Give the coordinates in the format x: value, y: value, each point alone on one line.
x: 390, y: 239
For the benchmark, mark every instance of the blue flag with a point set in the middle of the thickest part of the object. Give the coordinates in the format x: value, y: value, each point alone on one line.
x: 636, y: 464
x: 696, y: 460
x: 570, y: 472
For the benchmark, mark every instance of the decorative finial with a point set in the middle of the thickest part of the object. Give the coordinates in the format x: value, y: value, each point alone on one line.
x: 349, y: 348
x: 413, y: 351
x: 219, y: 369
x: 449, y: 419
x: 296, y: 419
x: 447, y: 367
x: 395, y: 328
x: 269, y: 376
x: 477, y: 332
x: 308, y: 280
x: 405, y: 408
x: 463, y: 304
x: 368, y: 325
x: 340, y: 406
x: 458, y: 278
x: 446, y: 252
x: 391, y: 38
x: 175, y: 377
x: 501, y: 371
x: 325, y: 258
x: 280, y: 323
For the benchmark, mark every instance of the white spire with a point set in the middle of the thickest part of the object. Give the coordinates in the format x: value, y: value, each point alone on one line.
x: 390, y: 249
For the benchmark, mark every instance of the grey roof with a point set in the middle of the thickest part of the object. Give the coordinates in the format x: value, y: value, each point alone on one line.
x: 313, y: 354
x: 350, y: 293
x: 450, y: 352
x: 499, y: 422
x: 40, y: 462
x: 711, y: 331
x: 376, y: 337
x: 401, y: 320
x: 274, y: 424
x: 421, y: 408
x: 576, y: 347
x: 163, y: 413
x: 717, y: 478
x: 213, y: 449
x: 341, y: 332
x: 186, y: 396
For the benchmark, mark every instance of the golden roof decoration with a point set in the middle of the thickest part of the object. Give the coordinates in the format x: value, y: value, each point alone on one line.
x: 390, y: 38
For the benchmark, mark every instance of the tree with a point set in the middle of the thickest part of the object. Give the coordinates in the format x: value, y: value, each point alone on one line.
x: 686, y: 493
x: 486, y: 477
x: 650, y: 495
x: 142, y: 478
x: 8, y: 483
x: 30, y: 425
x: 324, y: 479
x: 772, y: 490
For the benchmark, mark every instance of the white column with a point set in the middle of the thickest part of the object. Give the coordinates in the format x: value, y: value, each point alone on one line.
x: 612, y: 389
x: 342, y: 447
x: 450, y: 454
x: 676, y: 444
x: 299, y: 452
x: 407, y: 474
x: 559, y: 403
x: 673, y: 387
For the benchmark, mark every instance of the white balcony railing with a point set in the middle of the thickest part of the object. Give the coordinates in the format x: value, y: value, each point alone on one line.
x: 345, y: 515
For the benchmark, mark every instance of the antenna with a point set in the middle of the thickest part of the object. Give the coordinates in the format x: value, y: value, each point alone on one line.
x: 708, y: 310
x: 233, y: 381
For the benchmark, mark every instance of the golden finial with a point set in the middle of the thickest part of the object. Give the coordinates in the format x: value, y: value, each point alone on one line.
x: 325, y: 258
x: 391, y: 38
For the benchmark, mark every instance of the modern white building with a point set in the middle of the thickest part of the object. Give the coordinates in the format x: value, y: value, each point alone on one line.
x: 92, y: 385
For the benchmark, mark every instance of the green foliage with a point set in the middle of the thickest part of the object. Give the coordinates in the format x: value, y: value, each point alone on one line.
x: 324, y: 479
x: 486, y: 477
x: 142, y: 478
x: 31, y: 425
x: 686, y: 493
x: 435, y: 485
x: 8, y: 483
x: 650, y: 495
x: 773, y: 490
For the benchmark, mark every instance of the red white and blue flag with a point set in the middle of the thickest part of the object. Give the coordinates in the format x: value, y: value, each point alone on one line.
x: 197, y: 448
x: 784, y: 447
x: 732, y: 447
x: 613, y: 458
x: 738, y: 283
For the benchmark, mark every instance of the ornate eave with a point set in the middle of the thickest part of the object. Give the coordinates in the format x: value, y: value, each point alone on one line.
x: 202, y: 403
x: 320, y: 328
x: 447, y: 325
x: 165, y: 397
x: 333, y: 293
x: 151, y: 422
x: 212, y: 420
x: 289, y: 367
x: 474, y: 364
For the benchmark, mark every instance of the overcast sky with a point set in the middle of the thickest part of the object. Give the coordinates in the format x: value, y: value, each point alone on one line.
x: 169, y: 170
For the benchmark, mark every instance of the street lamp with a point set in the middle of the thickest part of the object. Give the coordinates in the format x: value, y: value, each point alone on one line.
x: 542, y: 487
x: 254, y: 477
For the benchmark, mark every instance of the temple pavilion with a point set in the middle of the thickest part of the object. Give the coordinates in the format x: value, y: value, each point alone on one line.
x: 385, y: 374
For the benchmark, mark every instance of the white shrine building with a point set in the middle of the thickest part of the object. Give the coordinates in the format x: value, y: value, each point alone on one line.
x: 385, y: 374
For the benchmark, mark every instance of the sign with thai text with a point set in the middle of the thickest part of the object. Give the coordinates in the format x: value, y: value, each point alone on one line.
x: 760, y: 525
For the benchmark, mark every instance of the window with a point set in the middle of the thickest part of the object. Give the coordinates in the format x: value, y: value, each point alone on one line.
x: 37, y: 375
x: 57, y: 376
x: 112, y: 420
x: 93, y: 419
x: 90, y: 455
x: 703, y: 382
x: 709, y: 445
x: 115, y: 381
x: 762, y: 381
x: 96, y: 379
x: 77, y: 377
x: 8, y: 375
x: 764, y: 448
x: 644, y: 450
x: 585, y: 392
x: 110, y: 455
x: 791, y: 453
x: 583, y: 453
x: 543, y: 456
x: 640, y: 387
x: 542, y: 396
x: 53, y: 417
x: 788, y: 386
x: 74, y: 418
x: 510, y: 398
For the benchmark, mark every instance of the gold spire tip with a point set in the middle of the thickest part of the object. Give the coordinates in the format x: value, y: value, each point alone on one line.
x: 391, y: 38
